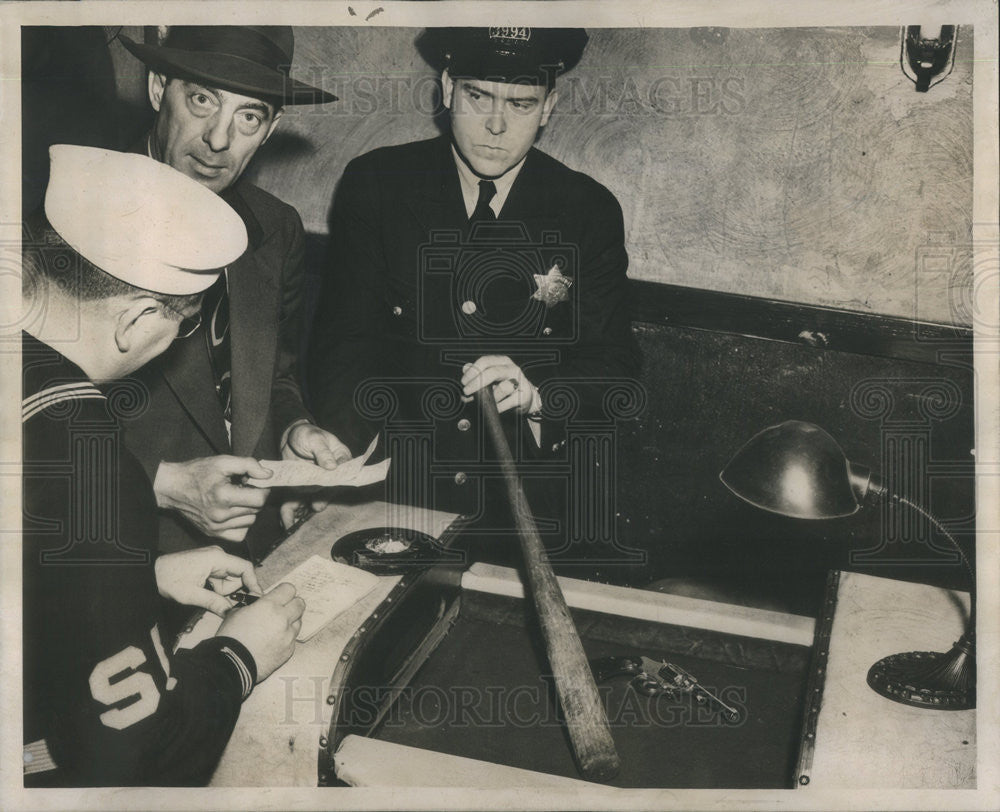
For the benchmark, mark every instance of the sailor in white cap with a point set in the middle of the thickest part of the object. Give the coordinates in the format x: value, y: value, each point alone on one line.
x: 114, y: 272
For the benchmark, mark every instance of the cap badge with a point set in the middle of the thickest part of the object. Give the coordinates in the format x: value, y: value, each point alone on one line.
x: 510, y: 32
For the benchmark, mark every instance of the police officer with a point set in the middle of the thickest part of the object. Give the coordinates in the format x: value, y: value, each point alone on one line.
x: 474, y: 261
x: 115, y: 270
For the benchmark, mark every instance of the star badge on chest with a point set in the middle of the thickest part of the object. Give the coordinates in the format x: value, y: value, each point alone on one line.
x: 553, y: 287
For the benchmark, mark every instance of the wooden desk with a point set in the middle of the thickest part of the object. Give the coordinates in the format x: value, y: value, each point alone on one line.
x: 863, y: 740
x: 277, y: 737
x: 285, y: 722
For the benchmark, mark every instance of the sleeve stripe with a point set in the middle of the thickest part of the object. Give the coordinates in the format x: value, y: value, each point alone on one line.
x: 246, y: 680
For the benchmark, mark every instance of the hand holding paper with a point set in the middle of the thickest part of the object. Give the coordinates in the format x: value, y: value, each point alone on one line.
x: 307, y: 441
x: 301, y: 474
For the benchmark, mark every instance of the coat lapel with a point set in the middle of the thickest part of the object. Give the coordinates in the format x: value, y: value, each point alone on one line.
x: 435, y: 200
x: 188, y: 373
x: 253, y: 312
x: 530, y: 198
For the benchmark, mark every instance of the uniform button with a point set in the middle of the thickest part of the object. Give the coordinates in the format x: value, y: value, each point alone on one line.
x: 464, y: 424
x: 547, y: 331
x: 460, y: 478
x: 397, y: 311
x: 468, y: 307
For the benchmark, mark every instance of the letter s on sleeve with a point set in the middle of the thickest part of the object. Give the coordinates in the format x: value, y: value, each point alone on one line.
x: 138, y: 684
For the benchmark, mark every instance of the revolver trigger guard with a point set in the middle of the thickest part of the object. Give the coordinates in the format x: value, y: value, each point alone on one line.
x: 646, y: 686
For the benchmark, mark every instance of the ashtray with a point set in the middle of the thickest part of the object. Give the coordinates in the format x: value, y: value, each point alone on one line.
x: 390, y: 550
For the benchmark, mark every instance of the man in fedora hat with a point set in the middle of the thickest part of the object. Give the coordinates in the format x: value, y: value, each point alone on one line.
x: 468, y: 261
x: 230, y: 395
x: 106, y: 702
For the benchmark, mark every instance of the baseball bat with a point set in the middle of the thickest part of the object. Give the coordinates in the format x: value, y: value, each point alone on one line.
x: 586, y: 721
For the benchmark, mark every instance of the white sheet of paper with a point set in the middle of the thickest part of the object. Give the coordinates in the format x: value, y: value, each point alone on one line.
x: 328, y: 588
x: 300, y: 473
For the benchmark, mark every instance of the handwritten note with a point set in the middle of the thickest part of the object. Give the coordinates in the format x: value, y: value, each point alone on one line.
x: 328, y: 588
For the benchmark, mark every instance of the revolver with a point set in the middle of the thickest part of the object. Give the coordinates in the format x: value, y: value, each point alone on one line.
x: 658, y: 677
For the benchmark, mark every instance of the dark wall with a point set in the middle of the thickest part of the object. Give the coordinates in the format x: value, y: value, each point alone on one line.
x: 709, y: 392
x: 69, y: 95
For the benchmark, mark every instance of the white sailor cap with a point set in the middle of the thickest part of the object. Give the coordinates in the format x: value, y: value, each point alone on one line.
x: 140, y: 220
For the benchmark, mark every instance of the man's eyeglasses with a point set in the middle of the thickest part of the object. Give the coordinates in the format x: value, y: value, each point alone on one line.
x: 188, y: 324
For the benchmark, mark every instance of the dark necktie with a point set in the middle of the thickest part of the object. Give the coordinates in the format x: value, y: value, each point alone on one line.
x: 216, y: 317
x: 487, y: 191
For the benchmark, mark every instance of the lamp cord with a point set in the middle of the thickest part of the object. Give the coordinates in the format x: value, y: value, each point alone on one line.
x: 972, y: 576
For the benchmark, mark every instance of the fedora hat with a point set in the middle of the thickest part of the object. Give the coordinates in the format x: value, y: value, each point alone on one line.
x: 252, y: 60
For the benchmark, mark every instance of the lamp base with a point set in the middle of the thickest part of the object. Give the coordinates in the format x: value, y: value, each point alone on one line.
x: 928, y: 679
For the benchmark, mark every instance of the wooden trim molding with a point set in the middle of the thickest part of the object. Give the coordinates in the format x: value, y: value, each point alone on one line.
x: 818, y: 327
x: 656, y: 607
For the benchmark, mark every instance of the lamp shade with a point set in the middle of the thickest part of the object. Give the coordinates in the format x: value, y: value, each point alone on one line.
x: 795, y: 469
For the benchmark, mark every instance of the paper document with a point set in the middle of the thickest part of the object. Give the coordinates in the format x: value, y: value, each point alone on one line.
x: 301, y: 474
x: 328, y: 588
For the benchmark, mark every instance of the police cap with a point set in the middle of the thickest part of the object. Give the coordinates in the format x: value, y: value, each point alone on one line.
x: 502, y: 53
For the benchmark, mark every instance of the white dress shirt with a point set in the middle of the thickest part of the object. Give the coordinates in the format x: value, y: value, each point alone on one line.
x: 470, y: 184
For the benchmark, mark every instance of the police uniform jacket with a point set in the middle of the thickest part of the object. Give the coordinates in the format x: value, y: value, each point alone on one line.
x: 184, y: 418
x: 105, y: 702
x: 413, y: 292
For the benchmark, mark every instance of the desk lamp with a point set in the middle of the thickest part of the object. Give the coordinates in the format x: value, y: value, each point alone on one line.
x: 796, y: 469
